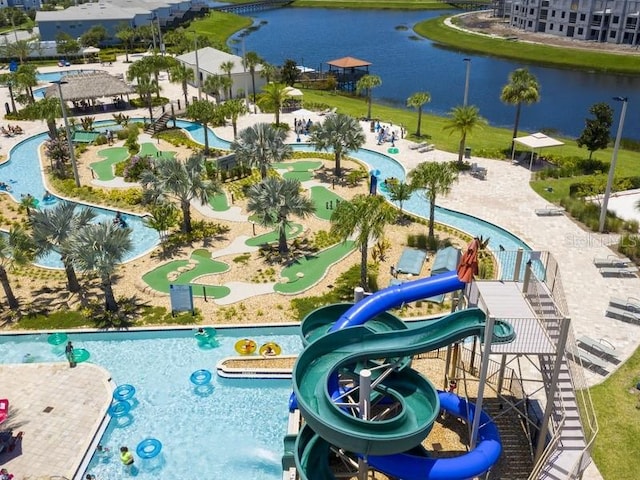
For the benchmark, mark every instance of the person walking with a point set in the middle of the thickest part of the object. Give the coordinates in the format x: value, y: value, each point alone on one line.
x: 68, y: 352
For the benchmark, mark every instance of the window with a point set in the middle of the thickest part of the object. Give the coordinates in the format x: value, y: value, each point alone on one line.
x: 580, y: 31
x: 583, y: 17
x: 529, y: 24
x: 561, y: 28
x: 616, y: 19
x: 612, y: 34
x: 562, y: 14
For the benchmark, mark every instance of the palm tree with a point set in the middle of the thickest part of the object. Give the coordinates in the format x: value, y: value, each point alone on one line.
x: 227, y: 67
x: 464, y: 120
x: 399, y: 192
x: 16, y: 249
x: 274, y: 201
x: 433, y: 179
x: 251, y: 61
x: 47, y: 109
x: 417, y: 100
x: 274, y: 96
x: 145, y: 88
x: 367, y: 83
x: 52, y: 229
x: 260, y: 145
x: 99, y: 248
x: 233, y: 109
x: 213, y: 84
x: 173, y: 180
x: 523, y: 87
x: 268, y: 71
x: 164, y: 216
x: 362, y: 219
x: 9, y: 80
x: 125, y: 34
x: 181, y: 74
x: 204, y: 112
x: 339, y: 132
x: 26, y: 78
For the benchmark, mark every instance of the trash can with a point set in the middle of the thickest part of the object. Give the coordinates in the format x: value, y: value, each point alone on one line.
x: 467, y: 152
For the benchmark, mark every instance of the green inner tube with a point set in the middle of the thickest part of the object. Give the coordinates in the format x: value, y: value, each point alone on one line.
x: 393, y: 150
x: 80, y: 355
x: 57, y: 338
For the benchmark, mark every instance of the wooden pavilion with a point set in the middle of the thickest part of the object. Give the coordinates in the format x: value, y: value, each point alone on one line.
x: 347, y: 71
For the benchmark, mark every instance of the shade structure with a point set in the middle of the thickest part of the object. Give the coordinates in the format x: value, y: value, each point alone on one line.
x: 535, y: 141
x: 293, y: 92
x: 90, y: 50
x: 89, y: 85
x: 303, y: 112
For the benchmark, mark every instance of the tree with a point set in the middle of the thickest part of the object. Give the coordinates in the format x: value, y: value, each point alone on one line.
x: 251, y: 61
x: 164, y: 216
x: 362, y: 219
x: 66, y: 44
x: 20, y: 49
x: 367, y: 83
x: 417, y: 100
x: 227, y: 67
x: 268, y: 72
x: 47, y: 109
x: 213, y: 84
x: 433, y: 179
x: 260, y: 145
x: 9, y: 80
x: 233, y: 109
x: 274, y: 96
x: 204, y: 112
x: 52, y: 230
x: 289, y: 72
x: 182, y: 74
x: 146, y: 87
x: 274, y: 201
x: 126, y: 34
x: 523, y: 87
x: 183, y: 182
x: 26, y: 77
x: 399, y: 192
x: 99, y: 248
x: 597, y: 131
x: 464, y: 120
x: 94, y: 37
x: 338, y: 132
x: 16, y: 249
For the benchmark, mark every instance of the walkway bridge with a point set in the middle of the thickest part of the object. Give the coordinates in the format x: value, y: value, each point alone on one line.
x: 470, y: 4
x: 255, y: 6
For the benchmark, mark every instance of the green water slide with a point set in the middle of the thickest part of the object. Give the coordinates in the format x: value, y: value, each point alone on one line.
x: 315, y: 382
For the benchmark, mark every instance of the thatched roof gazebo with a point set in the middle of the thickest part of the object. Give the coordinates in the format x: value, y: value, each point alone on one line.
x: 89, y: 86
x: 347, y: 71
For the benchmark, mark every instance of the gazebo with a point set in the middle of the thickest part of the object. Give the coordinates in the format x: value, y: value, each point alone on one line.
x: 348, y: 71
x: 535, y: 141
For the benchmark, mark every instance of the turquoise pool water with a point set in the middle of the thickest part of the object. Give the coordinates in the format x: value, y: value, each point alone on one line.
x: 55, y: 76
x: 234, y: 432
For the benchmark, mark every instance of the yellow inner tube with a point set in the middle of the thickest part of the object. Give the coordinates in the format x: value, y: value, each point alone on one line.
x: 245, y: 346
x: 270, y: 349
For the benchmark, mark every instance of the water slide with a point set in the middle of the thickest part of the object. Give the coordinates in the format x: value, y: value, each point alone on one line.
x: 349, y: 344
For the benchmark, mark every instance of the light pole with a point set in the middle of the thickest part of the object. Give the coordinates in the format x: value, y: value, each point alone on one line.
x: 195, y: 41
x: 72, y: 153
x: 612, y: 167
x: 466, y: 82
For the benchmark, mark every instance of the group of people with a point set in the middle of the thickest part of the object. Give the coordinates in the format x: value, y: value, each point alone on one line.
x: 301, y: 126
x: 5, y: 475
x: 11, y: 130
x: 109, y: 135
x: 126, y: 457
x: 4, y: 186
x: 385, y: 134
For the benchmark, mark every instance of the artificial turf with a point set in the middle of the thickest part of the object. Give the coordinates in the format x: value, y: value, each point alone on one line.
x: 325, y: 200
x: 104, y: 168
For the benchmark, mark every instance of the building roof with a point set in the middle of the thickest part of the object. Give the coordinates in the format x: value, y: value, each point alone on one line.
x: 538, y: 140
x: 89, y: 85
x: 210, y: 59
x: 348, y: 62
x: 108, y: 10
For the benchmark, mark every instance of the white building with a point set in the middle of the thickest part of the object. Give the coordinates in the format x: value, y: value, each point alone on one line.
x: 612, y: 21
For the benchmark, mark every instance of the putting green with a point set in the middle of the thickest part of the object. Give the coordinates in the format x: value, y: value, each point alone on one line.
x: 325, y: 201
x: 104, y: 168
x: 158, y: 278
x: 302, y: 171
x: 219, y: 202
x: 149, y: 149
x: 293, y: 231
x: 312, y: 268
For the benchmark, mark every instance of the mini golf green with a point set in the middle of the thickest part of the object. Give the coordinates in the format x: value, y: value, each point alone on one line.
x: 104, y: 168
x: 302, y: 170
x: 325, y: 201
x: 293, y: 231
x: 159, y: 281
x: 309, y: 270
x: 219, y: 202
x: 149, y: 149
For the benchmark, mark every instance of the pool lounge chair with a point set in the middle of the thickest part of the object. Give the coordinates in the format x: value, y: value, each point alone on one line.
x: 586, y: 359
x: 550, y: 211
x: 619, y: 271
x: 600, y: 348
x: 612, y: 261
x: 417, y: 146
x: 478, y: 172
x: 427, y: 148
x: 623, y: 315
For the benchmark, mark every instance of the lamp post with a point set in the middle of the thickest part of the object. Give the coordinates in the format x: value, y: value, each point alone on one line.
x: 466, y: 82
x: 612, y: 168
x: 72, y: 153
x: 195, y: 41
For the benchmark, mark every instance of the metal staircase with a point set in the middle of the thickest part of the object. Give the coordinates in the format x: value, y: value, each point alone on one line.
x: 158, y: 125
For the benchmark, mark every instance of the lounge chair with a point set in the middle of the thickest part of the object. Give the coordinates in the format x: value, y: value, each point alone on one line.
x: 623, y: 315
x: 612, y: 261
x: 550, y: 211
x: 427, y: 148
x: 618, y: 271
x: 600, y: 348
x: 478, y: 172
x: 416, y: 146
x: 630, y: 304
x: 586, y: 359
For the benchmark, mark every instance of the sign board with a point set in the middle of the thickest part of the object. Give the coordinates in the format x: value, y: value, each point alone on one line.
x: 181, y: 298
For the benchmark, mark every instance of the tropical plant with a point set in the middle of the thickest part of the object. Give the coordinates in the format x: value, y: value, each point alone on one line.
x: 182, y: 74
x: 418, y: 100
x: 52, y: 230
x: 339, y: 132
x: 66, y: 44
x: 432, y: 179
x: 227, y: 67
x: 9, y: 80
x: 146, y: 87
x: 260, y: 145
x: 28, y: 202
x: 213, y: 84
x: 523, y: 87
x: 399, y: 192
x: 94, y: 37
x: 57, y: 151
x: 204, y: 112
x: 268, y: 72
x: 164, y: 216
x: 25, y: 79
x: 274, y: 200
x: 273, y: 97
x: 87, y: 123
x: 182, y: 182
x: 126, y: 35
x: 233, y: 109
x: 16, y: 249
x: 99, y: 248
x: 464, y: 120
x: 597, y: 131
x: 289, y: 72
x: 362, y: 219
x: 367, y: 83
x: 251, y: 61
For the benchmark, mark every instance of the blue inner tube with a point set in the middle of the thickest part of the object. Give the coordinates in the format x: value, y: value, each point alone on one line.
x: 57, y: 338
x: 201, y: 377
x: 149, y: 448
x: 119, y: 409
x: 124, y: 392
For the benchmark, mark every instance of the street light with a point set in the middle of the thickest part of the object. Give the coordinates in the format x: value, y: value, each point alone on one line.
x: 466, y: 82
x: 195, y: 42
x: 612, y: 167
x: 72, y: 153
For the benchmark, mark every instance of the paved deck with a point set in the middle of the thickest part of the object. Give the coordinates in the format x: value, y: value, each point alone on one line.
x: 59, y: 409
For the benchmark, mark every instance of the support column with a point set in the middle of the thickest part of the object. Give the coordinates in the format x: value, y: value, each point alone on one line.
x: 488, y: 336
x: 516, y: 268
x: 503, y: 366
x: 365, y: 414
x: 358, y: 294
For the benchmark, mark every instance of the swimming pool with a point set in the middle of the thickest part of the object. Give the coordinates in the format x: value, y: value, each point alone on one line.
x: 57, y: 75
x: 235, y: 432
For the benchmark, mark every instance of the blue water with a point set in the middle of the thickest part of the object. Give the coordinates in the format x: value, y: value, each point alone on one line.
x: 235, y: 432
x: 55, y: 76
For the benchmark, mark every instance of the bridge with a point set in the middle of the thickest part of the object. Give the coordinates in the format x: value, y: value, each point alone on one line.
x: 254, y: 6
x: 470, y: 4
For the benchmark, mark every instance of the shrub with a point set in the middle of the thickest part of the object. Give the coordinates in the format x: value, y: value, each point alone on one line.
x: 629, y: 246
x: 418, y: 240
x: 134, y: 167
x: 101, y: 140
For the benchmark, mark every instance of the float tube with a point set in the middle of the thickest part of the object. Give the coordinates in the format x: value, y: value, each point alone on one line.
x: 245, y: 346
x: 57, y: 338
x: 270, y: 349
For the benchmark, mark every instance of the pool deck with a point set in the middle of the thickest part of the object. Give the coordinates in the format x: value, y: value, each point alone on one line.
x: 58, y: 409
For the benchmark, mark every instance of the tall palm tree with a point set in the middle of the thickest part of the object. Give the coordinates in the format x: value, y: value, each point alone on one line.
x: 154, y: 64
x: 182, y: 182
x: 146, y: 87
x: 99, y: 248
x: 126, y: 35
x: 52, y: 229
x: 251, y: 61
x: 274, y: 96
x: 367, y: 83
x: 268, y: 72
x: 362, y: 219
x: 433, y: 179
x: 339, y: 132
x: 181, y: 74
x: 523, y: 87
x: 9, y: 80
x: 213, y: 84
x: 227, y: 67
x: 399, y: 192
x: 233, y: 109
x: 204, y: 112
x: 418, y: 100
x: 26, y: 78
x: 274, y: 201
x: 260, y: 145
x: 464, y: 120
x: 16, y: 249
x: 47, y: 109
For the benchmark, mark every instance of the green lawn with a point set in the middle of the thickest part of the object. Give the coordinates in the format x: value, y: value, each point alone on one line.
x: 372, y: 4
x: 325, y: 200
x: 104, y: 168
x: 301, y: 171
x: 271, y: 237
x: 314, y: 268
x: 219, y: 26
